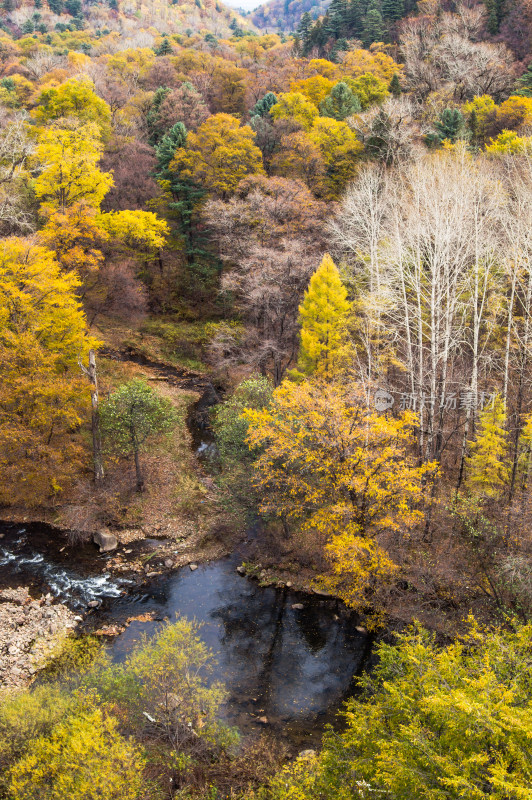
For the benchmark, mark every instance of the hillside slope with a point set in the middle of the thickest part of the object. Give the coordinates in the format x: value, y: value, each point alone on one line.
x: 132, y: 18
x: 284, y: 15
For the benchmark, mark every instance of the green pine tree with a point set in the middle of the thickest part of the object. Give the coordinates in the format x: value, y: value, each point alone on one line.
x: 340, y: 103
x: 525, y: 83
x: 323, y: 317
x: 303, y: 30
x: 337, y: 13
x: 340, y: 46
x: 262, y: 107
x: 450, y: 126
x: 164, y: 48
x: 354, y: 19
x: 392, y: 9
x: 373, y: 29
x: 487, y: 470
x: 495, y: 9
x: 152, y: 116
x: 185, y: 198
x: 395, y: 86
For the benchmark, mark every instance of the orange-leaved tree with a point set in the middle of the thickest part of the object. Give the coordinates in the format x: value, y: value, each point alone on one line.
x: 332, y: 468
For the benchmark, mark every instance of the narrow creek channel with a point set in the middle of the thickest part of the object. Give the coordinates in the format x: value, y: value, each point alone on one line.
x: 284, y: 657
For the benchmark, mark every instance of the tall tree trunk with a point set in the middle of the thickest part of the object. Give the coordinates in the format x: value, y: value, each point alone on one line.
x: 138, y: 471
x: 91, y: 373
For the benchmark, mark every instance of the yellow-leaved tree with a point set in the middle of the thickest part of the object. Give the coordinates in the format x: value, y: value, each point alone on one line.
x: 70, y: 173
x: 340, y: 150
x: 76, y: 238
x: 74, y: 98
x: 219, y: 155
x: 295, y: 106
x: 85, y: 757
x: 323, y: 317
x: 135, y: 229
x: 332, y: 469
x: 487, y: 469
x: 42, y: 397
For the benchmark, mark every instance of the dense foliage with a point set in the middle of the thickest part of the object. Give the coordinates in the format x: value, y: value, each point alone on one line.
x: 335, y: 229
x: 434, y: 723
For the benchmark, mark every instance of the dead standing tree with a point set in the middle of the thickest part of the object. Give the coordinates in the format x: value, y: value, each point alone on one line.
x: 92, y: 375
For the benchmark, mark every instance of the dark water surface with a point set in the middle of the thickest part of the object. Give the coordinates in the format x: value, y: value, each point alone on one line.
x: 292, y: 666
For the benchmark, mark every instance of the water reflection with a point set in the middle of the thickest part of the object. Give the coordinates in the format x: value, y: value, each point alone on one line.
x: 292, y: 666
x: 289, y: 665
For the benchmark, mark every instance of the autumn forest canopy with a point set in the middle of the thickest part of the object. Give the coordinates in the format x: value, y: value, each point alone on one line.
x: 319, y: 218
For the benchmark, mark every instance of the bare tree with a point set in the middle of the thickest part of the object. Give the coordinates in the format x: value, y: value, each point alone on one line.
x: 423, y: 246
x: 271, y: 237
x: 442, y: 51
x: 15, y: 150
x: 92, y: 375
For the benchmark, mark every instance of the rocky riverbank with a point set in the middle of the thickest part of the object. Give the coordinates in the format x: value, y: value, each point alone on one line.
x: 31, y: 631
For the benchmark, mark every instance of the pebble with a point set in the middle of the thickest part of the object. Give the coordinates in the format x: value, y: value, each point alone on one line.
x: 93, y: 603
x: 360, y: 629
x: 193, y: 567
x: 263, y: 720
x: 307, y: 753
x: 288, y: 584
x: 28, y: 633
x: 241, y: 570
x: 168, y: 563
x: 298, y: 606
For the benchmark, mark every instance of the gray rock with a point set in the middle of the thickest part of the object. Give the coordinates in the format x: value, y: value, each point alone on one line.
x: 307, y: 753
x: 168, y: 563
x: 193, y: 567
x: 106, y: 541
x: 298, y: 606
x: 93, y: 603
x: 241, y: 570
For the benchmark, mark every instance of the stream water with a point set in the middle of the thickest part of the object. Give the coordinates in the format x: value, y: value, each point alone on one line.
x: 290, y: 665
x: 293, y: 666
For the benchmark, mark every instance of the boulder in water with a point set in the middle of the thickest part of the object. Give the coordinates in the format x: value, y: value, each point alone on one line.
x: 106, y: 541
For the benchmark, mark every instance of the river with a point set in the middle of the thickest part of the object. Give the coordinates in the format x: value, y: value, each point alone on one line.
x: 292, y: 666
x: 285, y: 658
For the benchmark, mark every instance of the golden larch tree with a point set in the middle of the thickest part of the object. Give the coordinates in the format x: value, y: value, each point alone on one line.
x: 323, y: 316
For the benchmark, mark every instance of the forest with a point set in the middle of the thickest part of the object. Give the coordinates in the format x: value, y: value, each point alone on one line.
x: 314, y: 247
